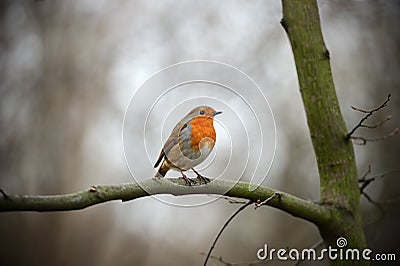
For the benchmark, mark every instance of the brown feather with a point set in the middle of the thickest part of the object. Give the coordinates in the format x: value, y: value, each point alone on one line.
x: 160, y: 157
x: 171, y: 141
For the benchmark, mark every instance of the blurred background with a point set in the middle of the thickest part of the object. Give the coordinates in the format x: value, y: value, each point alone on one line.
x: 69, y: 69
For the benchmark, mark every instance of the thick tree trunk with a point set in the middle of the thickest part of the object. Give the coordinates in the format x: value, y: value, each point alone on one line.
x: 334, y: 153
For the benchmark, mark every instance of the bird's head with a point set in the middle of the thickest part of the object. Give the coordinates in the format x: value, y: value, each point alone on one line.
x: 203, y: 111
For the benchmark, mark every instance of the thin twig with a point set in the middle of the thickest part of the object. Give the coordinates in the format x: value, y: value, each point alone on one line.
x: 385, y: 174
x: 258, y: 205
x: 379, y: 206
x: 377, y: 124
x: 364, y: 176
x: 368, y: 114
x: 373, y: 202
x: 364, y: 141
x: 223, y: 228
x: 364, y: 181
x: 375, y: 109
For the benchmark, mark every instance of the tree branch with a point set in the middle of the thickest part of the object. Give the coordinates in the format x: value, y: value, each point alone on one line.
x: 334, y: 153
x: 293, y: 205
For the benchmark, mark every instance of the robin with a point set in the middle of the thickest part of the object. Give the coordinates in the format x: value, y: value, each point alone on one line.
x: 189, y: 144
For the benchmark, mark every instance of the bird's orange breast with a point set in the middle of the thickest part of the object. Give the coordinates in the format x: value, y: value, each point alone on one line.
x: 202, y: 127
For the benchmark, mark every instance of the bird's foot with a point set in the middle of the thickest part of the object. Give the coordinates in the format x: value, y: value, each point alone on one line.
x: 188, y: 181
x: 201, y: 178
x: 204, y: 179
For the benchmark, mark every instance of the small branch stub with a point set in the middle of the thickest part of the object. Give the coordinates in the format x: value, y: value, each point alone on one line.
x: 258, y: 204
x: 283, y: 23
x: 5, y: 196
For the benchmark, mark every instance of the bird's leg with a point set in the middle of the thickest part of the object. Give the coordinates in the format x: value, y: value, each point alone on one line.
x: 202, y: 178
x: 188, y: 181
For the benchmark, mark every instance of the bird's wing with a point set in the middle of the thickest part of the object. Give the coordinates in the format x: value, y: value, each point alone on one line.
x: 160, y: 157
x: 171, y: 142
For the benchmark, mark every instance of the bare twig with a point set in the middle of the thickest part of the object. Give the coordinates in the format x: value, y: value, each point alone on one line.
x: 380, y: 206
x: 368, y: 114
x: 375, y: 203
x: 259, y: 204
x: 364, y: 180
x: 373, y: 110
x: 363, y: 141
x: 377, y: 124
x: 370, y: 199
x: 223, y: 228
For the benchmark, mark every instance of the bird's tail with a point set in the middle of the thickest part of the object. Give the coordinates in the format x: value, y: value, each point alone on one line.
x: 162, y: 171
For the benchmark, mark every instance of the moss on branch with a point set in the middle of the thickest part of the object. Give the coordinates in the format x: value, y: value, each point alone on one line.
x: 334, y: 152
x: 308, y: 210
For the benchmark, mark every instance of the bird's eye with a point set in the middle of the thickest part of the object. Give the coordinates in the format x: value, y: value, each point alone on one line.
x: 202, y: 112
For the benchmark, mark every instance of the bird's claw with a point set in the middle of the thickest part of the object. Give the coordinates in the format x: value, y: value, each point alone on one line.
x: 201, y: 178
x: 188, y: 180
x: 204, y: 179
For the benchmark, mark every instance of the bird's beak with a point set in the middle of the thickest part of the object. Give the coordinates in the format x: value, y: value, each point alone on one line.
x: 217, y: 113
